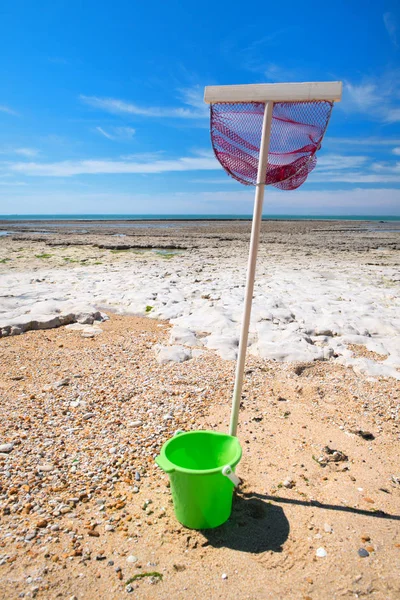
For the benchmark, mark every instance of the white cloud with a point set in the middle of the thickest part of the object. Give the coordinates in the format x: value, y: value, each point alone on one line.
x: 205, y: 153
x: 354, y: 201
x: 276, y: 73
x: 252, y: 56
x: 190, y: 97
x: 391, y: 27
x: 194, y: 97
x: 367, y: 141
x: 393, y: 115
x: 13, y: 183
x: 215, y: 181
x: 328, y: 162
x: 354, y: 177
x: 336, y: 202
x: 331, y: 168
x: 354, y: 169
x: 68, y: 168
x: 8, y: 110
x: 143, y: 156
x: 28, y: 152
x: 118, y: 133
x: 107, y: 135
x: 384, y: 167
x: 362, y: 98
x: 377, y: 98
x: 396, y: 151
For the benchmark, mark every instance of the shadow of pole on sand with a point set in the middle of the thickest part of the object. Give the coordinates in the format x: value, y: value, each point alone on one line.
x: 380, y: 514
x: 254, y: 526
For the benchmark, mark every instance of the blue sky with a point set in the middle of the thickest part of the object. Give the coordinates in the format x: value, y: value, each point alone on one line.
x: 101, y: 103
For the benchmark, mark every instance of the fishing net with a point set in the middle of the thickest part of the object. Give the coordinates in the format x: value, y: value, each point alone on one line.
x: 296, y: 133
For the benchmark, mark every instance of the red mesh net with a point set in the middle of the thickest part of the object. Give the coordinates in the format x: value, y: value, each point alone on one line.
x: 296, y: 134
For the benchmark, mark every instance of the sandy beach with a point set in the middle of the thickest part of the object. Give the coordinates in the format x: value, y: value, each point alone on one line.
x: 114, y: 336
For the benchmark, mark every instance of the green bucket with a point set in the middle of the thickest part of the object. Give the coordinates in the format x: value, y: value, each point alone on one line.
x: 200, y: 466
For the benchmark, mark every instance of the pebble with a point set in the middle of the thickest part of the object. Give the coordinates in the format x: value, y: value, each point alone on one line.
x: 363, y: 552
x: 93, y: 533
x: 327, y: 528
x: 88, y: 416
x: 46, y: 468
x: 289, y: 483
x: 109, y: 527
x: 137, y: 476
x: 61, y: 383
x: 136, y: 423
x: 321, y: 553
x: 31, y: 535
x: 135, y: 490
x: 131, y: 559
x: 6, y: 448
x: 224, y: 576
x: 41, y: 523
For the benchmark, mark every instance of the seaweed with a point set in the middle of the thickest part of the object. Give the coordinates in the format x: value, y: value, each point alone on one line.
x: 142, y: 575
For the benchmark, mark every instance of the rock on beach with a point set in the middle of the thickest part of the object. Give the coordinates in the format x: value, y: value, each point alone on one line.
x: 6, y: 448
x: 165, y: 354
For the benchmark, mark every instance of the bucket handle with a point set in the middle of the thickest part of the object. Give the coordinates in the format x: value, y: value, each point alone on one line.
x: 163, y: 462
x: 229, y: 473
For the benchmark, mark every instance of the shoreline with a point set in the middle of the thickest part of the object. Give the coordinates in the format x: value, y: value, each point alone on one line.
x: 171, y: 218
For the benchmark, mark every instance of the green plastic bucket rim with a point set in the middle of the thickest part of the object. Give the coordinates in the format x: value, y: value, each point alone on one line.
x: 168, y: 466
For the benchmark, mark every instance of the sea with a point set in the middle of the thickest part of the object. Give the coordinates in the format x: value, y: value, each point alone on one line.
x: 202, y: 217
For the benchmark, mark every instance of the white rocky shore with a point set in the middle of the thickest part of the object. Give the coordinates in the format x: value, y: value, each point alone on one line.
x: 305, y: 309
